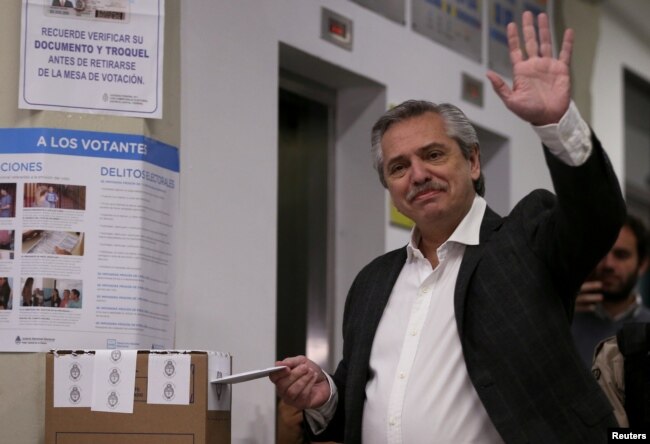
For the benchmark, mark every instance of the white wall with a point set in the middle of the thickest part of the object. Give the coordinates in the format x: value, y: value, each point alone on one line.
x: 228, y: 161
x: 617, y: 50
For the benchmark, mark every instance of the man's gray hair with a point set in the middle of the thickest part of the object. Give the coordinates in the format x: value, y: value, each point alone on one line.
x: 456, y: 123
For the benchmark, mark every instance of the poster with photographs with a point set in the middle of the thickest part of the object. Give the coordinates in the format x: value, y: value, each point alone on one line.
x: 457, y: 24
x: 500, y: 13
x: 86, y: 240
x: 391, y: 9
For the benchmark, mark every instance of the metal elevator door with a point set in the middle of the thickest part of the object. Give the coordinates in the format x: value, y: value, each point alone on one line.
x: 302, y: 235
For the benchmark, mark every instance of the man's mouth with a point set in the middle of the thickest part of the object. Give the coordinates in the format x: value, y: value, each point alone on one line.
x: 610, y: 282
x: 425, y: 190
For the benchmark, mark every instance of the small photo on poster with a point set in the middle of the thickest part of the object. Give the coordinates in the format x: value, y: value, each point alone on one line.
x: 7, y: 200
x: 51, y: 292
x: 69, y: 243
x: 114, y: 11
x: 6, y: 293
x: 49, y: 195
x: 6, y: 244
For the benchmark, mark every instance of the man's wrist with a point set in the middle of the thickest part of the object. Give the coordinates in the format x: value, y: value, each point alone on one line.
x: 569, y: 139
x: 319, y: 417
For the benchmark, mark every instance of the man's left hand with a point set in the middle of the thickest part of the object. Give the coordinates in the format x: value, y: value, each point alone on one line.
x: 541, y: 89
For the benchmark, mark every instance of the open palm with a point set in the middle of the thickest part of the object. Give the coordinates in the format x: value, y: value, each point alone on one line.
x: 541, y: 89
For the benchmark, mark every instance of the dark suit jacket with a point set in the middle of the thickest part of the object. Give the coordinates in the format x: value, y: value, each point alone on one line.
x: 513, y: 302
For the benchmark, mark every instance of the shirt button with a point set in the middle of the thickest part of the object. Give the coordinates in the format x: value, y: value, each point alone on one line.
x: 402, y: 375
x: 414, y: 332
x: 391, y: 421
x: 425, y: 289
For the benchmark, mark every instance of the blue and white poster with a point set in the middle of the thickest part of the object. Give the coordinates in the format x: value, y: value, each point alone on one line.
x: 501, y: 13
x: 87, y: 223
x: 92, y: 56
x: 457, y: 24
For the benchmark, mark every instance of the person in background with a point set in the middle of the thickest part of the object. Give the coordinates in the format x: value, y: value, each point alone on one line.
x: 66, y: 299
x: 5, y: 294
x: 75, y: 299
x: 56, y: 299
x: 37, y: 298
x: 51, y: 197
x: 27, y: 292
x: 608, y: 298
x: 464, y: 334
x: 6, y: 203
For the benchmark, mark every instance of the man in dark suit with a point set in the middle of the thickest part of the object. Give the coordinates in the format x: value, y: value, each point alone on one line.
x: 463, y: 336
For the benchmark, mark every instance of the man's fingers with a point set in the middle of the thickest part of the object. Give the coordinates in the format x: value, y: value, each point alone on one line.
x: 591, y: 287
x: 500, y: 87
x: 516, y: 55
x: 591, y: 298
x: 296, y: 384
x: 567, y: 47
x: 530, y: 37
x: 293, y: 361
x: 305, y: 395
x: 545, y: 44
x: 280, y: 374
x: 300, y: 388
x: 587, y: 302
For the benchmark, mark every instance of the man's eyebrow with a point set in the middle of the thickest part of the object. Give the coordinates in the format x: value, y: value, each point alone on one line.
x: 418, y: 150
x: 432, y: 145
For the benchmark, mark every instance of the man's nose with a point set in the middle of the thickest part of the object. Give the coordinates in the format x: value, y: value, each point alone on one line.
x: 607, y: 263
x: 419, y: 172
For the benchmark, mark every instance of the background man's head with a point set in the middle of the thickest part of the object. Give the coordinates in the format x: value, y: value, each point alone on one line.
x: 627, y: 260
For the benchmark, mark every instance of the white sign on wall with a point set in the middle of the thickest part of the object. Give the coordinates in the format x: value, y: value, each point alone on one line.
x: 92, y: 56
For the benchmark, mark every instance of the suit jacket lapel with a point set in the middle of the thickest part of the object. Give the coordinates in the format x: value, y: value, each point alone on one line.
x: 381, y: 292
x: 378, y: 291
x: 491, y: 221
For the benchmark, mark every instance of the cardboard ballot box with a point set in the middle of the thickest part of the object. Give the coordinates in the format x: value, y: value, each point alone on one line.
x: 205, y: 420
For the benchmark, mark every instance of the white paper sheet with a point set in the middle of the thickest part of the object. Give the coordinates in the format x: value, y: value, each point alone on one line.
x: 114, y: 381
x: 246, y: 376
x: 168, y: 381
x: 73, y: 380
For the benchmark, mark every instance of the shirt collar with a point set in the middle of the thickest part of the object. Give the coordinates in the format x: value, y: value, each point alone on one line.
x: 467, y: 232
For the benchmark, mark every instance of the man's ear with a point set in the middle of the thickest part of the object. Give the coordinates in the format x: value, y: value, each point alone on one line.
x: 475, y: 162
x: 643, y: 267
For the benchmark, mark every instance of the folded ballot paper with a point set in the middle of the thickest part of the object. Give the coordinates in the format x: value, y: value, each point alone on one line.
x: 151, y: 393
x: 246, y: 376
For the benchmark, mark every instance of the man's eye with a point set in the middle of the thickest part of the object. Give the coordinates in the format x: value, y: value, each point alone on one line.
x: 433, y: 155
x: 622, y: 255
x: 396, y: 169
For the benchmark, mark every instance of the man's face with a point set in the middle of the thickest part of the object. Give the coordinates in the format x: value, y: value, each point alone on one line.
x: 620, y: 269
x: 427, y: 175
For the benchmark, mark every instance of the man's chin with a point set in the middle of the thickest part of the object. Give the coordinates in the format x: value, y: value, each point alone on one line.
x: 615, y: 296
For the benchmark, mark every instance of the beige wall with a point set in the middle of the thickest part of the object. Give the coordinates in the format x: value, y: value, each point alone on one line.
x: 22, y: 375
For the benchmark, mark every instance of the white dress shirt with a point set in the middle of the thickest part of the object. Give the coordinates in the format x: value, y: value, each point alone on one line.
x: 419, y: 390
